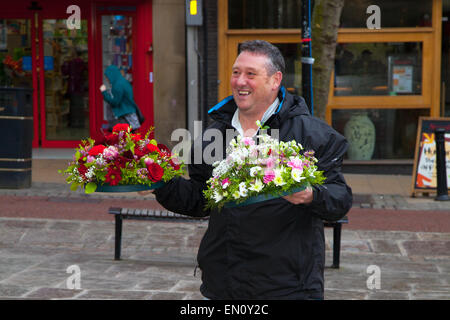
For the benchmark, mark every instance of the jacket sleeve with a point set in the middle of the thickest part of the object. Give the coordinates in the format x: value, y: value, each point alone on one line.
x: 185, y: 196
x: 333, y: 199
x: 115, y: 97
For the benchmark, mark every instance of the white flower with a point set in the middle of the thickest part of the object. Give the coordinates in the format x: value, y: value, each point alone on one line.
x: 236, y: 194
x: 243, y: 189
x: 278, y: 180
x: 217, y: 196
x: 254, y: 171
x: 90, y: 173
x: 257, y: 186
x: 296, y: 174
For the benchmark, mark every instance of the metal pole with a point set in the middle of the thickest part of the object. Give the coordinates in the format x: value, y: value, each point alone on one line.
x: 441, y: 166
x: 307, y: 60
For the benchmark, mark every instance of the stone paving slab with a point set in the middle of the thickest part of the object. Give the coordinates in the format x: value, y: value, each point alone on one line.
x: 159, y: 259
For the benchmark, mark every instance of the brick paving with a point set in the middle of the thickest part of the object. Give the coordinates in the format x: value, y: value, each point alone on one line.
x: 158, y: 261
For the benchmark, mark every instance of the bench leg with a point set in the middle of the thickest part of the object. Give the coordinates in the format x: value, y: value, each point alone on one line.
x: 336, y: 245
x: 118, y: 237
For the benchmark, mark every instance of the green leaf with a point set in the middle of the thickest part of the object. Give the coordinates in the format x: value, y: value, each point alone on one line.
x: 74, y: 186
x: 90, y: 187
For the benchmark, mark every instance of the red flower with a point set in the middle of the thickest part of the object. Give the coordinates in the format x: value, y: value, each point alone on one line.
x: 113, y: 176
x: 121, y: 127
x: 140, y: 152
x: 112, y: 139
x: 155, y: 172
x: 82, y: 169
x: 136, y: 137
x: 152, y: 148
x: 174, y: 165
x: 96, y: 150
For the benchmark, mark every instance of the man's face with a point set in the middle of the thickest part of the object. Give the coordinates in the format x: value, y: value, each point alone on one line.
x: 253, y: 89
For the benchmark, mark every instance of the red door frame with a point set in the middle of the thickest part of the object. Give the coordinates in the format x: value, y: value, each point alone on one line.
x: 142, y: 59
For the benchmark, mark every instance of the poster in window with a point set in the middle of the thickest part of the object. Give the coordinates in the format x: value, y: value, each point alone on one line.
x: 403, y: 78
x: 424, y: 174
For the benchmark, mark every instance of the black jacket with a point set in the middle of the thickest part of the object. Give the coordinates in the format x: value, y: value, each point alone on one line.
x: 272, y: 249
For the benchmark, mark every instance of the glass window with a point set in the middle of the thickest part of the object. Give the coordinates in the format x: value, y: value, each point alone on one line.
x: 15, y: 53
x: 393, y: 14
x: 117, y: 42
x: 66, y: 80
x: 378, y: 133
x: 264, y: 14
x: 374, y: 69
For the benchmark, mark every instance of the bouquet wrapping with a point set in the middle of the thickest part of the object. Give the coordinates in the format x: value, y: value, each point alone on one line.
x: 253, y: 172
x: 123, y: 159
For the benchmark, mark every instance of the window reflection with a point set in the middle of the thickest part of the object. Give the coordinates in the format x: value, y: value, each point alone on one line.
x: 391, y: 131
x: 373, y: 69
x: 394, y: 14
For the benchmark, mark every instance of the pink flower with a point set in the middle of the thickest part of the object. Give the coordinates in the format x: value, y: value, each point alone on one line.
x: 296, y: 163
x: 269, y: 175
x: 225, y: 183
x: 248, y: 141
x: 148, y: 161
x: 270, y: 163
x: 110, y: 153
x: 90, y: 159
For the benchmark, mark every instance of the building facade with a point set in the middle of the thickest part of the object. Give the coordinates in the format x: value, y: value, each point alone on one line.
x: 383, y: 81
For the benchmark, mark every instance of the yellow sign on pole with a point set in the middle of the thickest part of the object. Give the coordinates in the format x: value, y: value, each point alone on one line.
x: 193, y: 7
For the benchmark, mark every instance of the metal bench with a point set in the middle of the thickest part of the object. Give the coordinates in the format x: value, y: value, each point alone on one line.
x: 142, y: 214
x: 337, y: 227
x: 150, y: 214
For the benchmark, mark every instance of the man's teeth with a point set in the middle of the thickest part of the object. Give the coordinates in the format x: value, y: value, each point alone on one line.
x: 244, y: 92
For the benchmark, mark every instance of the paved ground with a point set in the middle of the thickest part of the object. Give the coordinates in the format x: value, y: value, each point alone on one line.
x: 159, y: 261
x: 46, y: 229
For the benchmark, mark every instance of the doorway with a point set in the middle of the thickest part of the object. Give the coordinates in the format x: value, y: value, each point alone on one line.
x: 64, y: 66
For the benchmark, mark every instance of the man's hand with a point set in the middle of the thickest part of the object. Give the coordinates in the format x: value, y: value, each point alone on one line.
x: 145, y: 192
x: 102, y: 88
x: 303, y: 197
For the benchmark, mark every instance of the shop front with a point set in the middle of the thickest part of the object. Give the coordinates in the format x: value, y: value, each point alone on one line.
x: 383, y: 81
x: 45, y: 47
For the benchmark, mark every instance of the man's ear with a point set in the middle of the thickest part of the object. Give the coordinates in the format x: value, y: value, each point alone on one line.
x: 277, y: 78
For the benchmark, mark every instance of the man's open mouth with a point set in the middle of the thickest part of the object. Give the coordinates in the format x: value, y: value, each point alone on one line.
x: 243, y: 92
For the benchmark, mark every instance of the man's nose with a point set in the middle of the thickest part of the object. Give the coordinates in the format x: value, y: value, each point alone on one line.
x: 241, y: 80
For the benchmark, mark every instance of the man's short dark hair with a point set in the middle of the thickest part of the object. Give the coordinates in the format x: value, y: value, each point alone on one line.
x: 265, y: 48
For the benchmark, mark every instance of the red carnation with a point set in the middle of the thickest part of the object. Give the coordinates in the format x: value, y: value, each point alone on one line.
x: 82, y: 169
x: 174, y: 165
x: 152, y: 148
x: 96, y: 150
x: 155, y: 172
x: 140, y: 152
x: 136, y: 137
x: 112, y: 139
x: 113, y: 176
x: 121, y: 127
